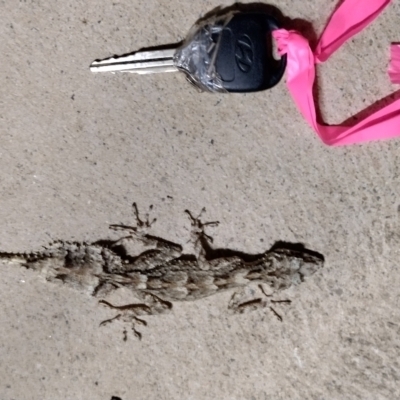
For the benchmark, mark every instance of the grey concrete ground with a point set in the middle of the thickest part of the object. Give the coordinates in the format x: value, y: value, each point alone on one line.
x: 77, y: 149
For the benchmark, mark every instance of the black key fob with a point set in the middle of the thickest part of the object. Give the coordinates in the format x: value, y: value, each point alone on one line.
x: 232, y: 53
x: 245, y: 61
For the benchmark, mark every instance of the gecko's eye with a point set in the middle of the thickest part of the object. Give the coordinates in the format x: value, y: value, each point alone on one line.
x: 309, y: 269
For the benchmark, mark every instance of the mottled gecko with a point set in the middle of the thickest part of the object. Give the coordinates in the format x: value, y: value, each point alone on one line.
x: 162, y: 274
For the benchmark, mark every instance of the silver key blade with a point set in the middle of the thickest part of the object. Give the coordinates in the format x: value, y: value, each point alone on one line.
x: 141, y: 62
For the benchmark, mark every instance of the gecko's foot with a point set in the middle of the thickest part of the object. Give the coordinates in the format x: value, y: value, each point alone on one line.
x: 146, y: 223
x: 278, y: 302
x: 198, y: 227
x: 128, y: 314
x: 247, y: 299
x: 142, y: 225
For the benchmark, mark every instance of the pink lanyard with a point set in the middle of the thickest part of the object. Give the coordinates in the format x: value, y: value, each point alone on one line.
x: 350, y: 18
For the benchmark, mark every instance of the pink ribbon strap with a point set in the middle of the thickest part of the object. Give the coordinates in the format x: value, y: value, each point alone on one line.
x: 350, y: 18
x: 394, y: 66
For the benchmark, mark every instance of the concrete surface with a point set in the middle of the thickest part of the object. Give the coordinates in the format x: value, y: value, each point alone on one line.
x: 77, y: 149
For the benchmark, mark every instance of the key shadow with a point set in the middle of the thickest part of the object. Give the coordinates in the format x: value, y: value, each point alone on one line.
x: 304, y: 27
x: 242, y: 7
x: 300, y: 25
x: 374, y: 107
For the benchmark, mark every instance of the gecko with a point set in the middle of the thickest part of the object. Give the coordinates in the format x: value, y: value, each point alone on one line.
x: 162, y: 274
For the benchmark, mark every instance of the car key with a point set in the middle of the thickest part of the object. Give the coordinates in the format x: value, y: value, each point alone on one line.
x: 227, y: 53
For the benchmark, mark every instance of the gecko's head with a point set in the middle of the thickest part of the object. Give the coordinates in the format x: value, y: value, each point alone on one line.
x: 289, y: 267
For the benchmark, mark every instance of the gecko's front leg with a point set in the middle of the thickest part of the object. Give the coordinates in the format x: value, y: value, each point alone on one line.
x: 155, y: 250
x: 200, y: 240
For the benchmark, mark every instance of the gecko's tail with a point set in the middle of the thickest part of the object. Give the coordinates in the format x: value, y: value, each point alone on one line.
x: 11, y: 258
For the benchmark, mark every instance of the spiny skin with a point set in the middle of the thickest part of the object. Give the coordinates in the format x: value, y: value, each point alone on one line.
x: 78, y: 265
x: 161, y: 274
x: 98, y: 270
x: 179, y: 279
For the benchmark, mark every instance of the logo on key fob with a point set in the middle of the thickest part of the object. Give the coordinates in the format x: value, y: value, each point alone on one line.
x: 245, y: 61
x: 244, y: 53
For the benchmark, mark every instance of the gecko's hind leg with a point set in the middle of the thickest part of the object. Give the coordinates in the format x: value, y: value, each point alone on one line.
x: 245, y: 299
x: 130, y: 313
x: 155, y: 303
x: 249, y: 299
x: 262, y: 289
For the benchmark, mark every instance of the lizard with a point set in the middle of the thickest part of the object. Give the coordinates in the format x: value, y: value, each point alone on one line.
x: 162, y: 274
